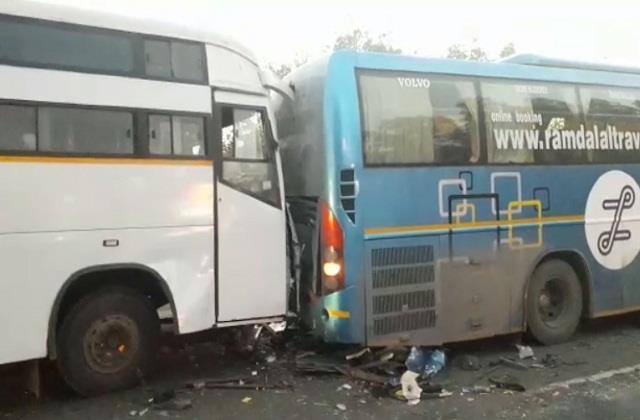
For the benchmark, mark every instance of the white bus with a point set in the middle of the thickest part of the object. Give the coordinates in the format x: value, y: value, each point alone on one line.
x: 138, y: 169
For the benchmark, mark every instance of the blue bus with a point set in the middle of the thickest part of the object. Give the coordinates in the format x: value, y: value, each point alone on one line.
x: 442, y: 201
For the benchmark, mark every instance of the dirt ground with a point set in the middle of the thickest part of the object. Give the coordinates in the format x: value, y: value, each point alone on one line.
x: 596, y: 375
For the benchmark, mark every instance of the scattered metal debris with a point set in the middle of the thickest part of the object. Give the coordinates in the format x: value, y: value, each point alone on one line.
x: 358, y: 354
x: 524, y: 352
x: 277, y: 327
x: 507, y: 382
x: 477, y: 389
x: 304, y: 354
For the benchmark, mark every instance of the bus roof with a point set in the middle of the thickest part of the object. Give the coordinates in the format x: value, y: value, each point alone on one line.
x: 527, y: 67
x: 107, y: 20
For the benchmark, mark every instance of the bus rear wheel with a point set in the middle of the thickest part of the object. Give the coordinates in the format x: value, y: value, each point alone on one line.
x: 107, y: 340
x: 554, y: 302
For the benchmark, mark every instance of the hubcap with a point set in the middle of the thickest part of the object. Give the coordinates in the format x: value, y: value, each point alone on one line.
x: 552, y: 301
x: 111, y: 343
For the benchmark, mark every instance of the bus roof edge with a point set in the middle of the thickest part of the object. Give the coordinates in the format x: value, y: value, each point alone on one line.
x: 542, y: 61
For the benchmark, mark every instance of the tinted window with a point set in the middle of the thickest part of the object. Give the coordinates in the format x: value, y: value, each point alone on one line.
x: 178, y: 135
x: 85, y: 131
x: 248, y: 156
x: 187, y: 61
x: 418, y: 119
x: 157, y: 58
x: 43, y: 45
x: 160, y: 135
x: 17, y: 128
x: 613, y: 116
x: 179, y: 60
x: 188, y: 136
x: 531, y: 122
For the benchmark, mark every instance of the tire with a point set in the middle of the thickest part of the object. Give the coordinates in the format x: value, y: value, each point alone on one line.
x: 554, y: 302
x: 107, y: 341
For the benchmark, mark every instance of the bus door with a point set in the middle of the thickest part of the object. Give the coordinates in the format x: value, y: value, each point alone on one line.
x: 250, y: 218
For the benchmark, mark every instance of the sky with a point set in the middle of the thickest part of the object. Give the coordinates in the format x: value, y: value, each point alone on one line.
x: 278, y: 31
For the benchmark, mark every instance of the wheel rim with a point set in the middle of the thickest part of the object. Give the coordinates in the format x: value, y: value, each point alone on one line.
x: 111, y: 343
x: 552, y: 301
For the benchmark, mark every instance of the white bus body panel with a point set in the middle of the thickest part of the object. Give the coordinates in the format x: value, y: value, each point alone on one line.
x: 162, y: 216
x: 56, y: 86
x: 233, y: 71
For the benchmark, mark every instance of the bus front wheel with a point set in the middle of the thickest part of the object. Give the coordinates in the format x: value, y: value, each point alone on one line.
x: 107, y: 340
x: 554, y: 302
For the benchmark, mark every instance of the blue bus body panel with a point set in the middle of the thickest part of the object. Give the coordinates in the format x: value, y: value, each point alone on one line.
x: 469, y: 272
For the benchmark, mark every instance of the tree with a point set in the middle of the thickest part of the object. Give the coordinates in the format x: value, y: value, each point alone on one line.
x: 282, y: 70
x: 357, y: 40
x: 475, y: 53
x: 362, y: 40
x: 465, y: 52
x: 508, y: 50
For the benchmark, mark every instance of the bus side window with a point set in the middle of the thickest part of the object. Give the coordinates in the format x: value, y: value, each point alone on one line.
x: 248, y: 154
x: 18, y: 127
x: 616, y: 108
x: 176, y: 135
x: 85, y: 131
x: 455, y: 117
x: 519, y: 116
x: 157, y: 58
x: 418, y: 119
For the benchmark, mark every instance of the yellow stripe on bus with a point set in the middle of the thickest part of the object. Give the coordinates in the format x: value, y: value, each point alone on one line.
x: 485, y: 224
x: 104, y: 161
x: 339, y: 314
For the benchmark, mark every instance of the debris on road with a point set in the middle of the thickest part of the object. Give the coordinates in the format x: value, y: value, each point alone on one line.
x: 553, y: 361
x: 159, y: 397
x: 247, y: 400
x: 477, y: 389
x: 524, y: 352
x: 512, y: 363
x: 425, y: 363
x: 411, y: 391
x: 341, y: 407
x: 507, y: 382
x: 358, y: 354
x: 304, y: 354
x: 277, y: 327
x: 468, y: 362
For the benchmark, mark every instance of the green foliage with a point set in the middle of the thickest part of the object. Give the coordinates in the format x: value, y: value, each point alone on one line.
x: 508, y: 50
x: 475, y: 53
x: 361, y: 40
